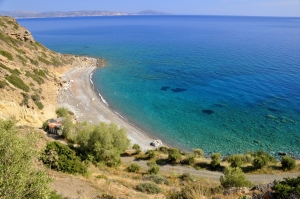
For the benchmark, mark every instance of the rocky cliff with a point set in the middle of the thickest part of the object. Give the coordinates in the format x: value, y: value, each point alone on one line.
x: 30, y: 74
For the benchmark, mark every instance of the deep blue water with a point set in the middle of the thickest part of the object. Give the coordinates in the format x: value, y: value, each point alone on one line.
x: 223, y: 84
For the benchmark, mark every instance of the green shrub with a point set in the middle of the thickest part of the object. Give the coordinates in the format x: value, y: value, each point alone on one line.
x: 7, y: 55
x: 40, y: 72
x: 190, y: 159
x: 163, y: 149
x: 234, y: 177
x: 60, y: 157
x: 45, y: 61
x: 261, y: 159
x: 2, y: 84
x: 149, y: 188
x: 62, y: 112
x: 157, y: 179
x: 25, y: 99
x: 236, y: 160
x: 288, y: 188
x: 288, y: 163
x: 17, y: 82
x: 34, y: 62
x: 137, y: 148
x: 198, y: 152
x: 186, y: 177
x: 215, y: 159
x: 19, y: 175
x: 150, y: 153
x: 35, y: 77
x: 133, y: 168
x: 12, y: 71
x: 154, y: 169
x: 39, y: 104
x: 174, y: 155
x: 104, y: 142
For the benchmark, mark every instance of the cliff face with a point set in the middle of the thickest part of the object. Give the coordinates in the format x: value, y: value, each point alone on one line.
x: 30, y: 74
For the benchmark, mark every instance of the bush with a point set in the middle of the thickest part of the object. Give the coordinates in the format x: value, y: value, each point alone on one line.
x: 215, y: 159
x: 157, y: 179
x: 17, y: 82
x: 198, y: 152
x: 190, y: 159
x: 35, y: 77
x: 133, y: 168
x: 6, y: 54
x: 61, y: 158
x: 261, y: 159
x: 154, y: 169
x: 39, y: 104
x: 137, y: 148
x: 19, y: 177
x: 104, y: 142
x: 163, y: 149
x: 62, y: 112
x: 288, y: 188
x: 234, y: 177
x: 2, y: 83
x: 288, y: 163
x: 174, y: 155
x: 186, y: 177
x: 150, y: 153
x: 236, y: 160
x: 149, y: 188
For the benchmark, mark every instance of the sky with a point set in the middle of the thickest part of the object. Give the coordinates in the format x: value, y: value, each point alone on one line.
x: 183, y: 7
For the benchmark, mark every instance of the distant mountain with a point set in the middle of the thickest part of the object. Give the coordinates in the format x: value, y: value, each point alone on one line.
x: 23, y: 14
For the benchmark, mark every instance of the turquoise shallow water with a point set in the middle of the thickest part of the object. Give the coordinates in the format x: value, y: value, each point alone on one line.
x: 223, y: 84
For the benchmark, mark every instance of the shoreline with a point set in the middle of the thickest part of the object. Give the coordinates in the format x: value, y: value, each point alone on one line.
x: 80, y: 96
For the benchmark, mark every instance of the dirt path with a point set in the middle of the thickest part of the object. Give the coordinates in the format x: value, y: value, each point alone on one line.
x: 213, y: 175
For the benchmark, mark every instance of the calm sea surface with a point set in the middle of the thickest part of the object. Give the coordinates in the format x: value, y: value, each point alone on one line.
x: 223, y: 84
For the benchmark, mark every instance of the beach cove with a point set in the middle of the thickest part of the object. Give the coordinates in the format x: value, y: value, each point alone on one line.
x: 79, y: 96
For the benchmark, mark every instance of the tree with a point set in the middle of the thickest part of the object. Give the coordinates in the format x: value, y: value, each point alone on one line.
x: 236, y: 160
x: 137, y: 148
x: 150, y: 153
x: 234, y: 177
x: 215, y: 159
x: 68, y: 128
x: 18, y: 177
x: 198, y: 152
x: 261, y: 159
x: 174, y: 155
x: 61, y: 158
x: 288, y: 163
x: 102, y: 143
x: 62, y: 112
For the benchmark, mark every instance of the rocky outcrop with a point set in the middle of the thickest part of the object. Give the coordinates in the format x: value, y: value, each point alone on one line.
x: 13, y: 29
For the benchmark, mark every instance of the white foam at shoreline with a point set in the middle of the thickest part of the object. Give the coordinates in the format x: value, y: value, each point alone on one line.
x: 103, y: 100
x: 119, y: 114
x: 91, y: 78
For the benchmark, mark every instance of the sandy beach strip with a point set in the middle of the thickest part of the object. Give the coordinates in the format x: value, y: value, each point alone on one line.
x: 78, y: 96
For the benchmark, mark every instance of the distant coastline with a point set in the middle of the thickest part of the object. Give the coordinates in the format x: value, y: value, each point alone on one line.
x: 58, y: 14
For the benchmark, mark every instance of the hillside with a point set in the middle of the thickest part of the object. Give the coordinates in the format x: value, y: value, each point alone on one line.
x: 30, y: 74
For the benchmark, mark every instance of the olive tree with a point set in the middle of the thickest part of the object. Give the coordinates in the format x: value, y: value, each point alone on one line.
x: 18, y: 176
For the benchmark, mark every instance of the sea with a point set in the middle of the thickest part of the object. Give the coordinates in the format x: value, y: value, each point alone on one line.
x: 224, y: 84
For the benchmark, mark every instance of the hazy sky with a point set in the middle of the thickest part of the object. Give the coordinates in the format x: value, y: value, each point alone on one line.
x: 193, y: 7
